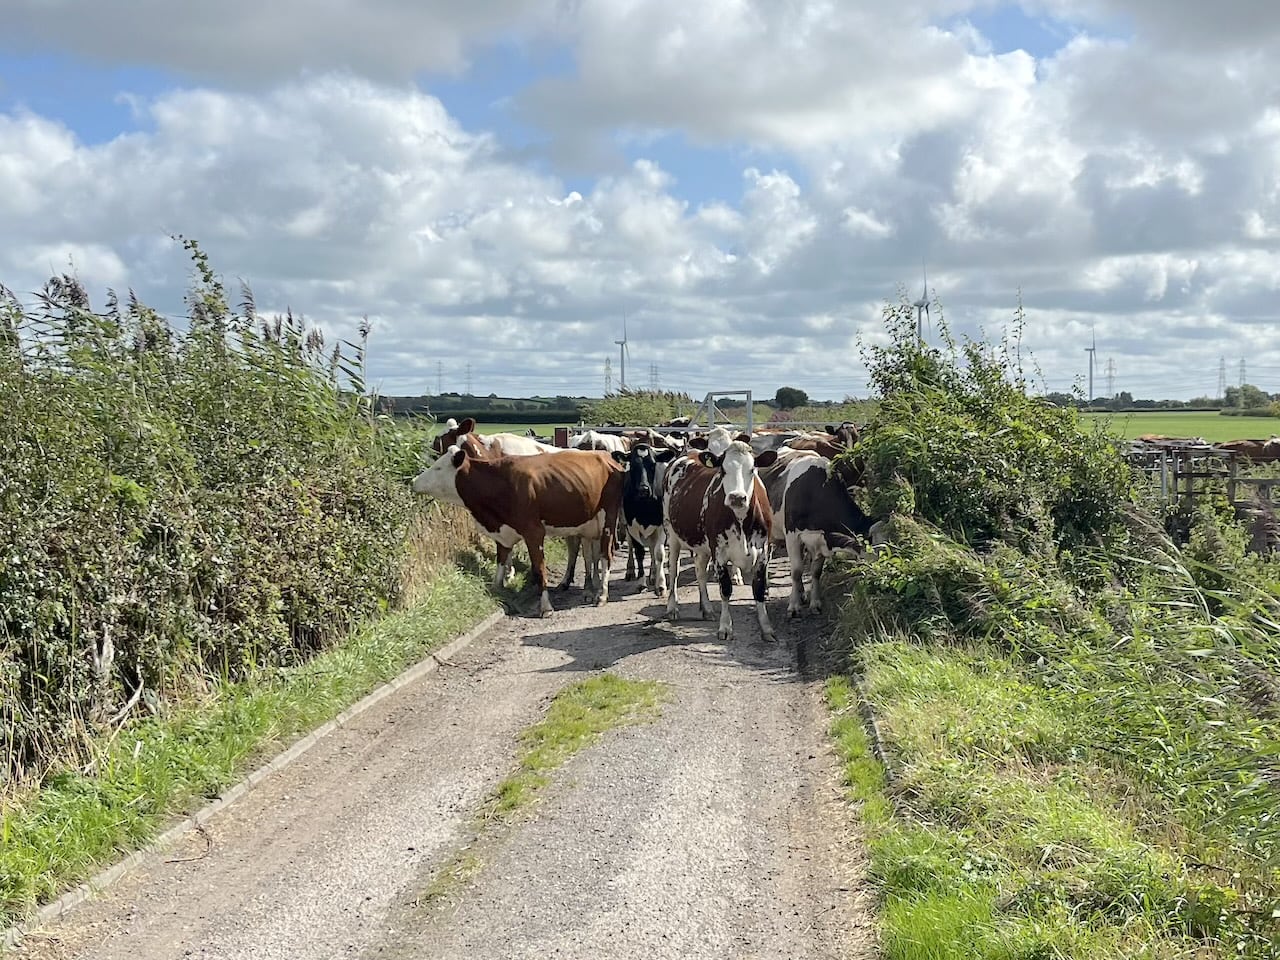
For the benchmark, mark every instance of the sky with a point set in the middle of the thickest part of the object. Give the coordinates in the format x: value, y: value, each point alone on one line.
x: 497, y: 184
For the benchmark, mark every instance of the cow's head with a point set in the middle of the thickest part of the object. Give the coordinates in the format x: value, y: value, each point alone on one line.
x: 641, y: 463
x: 440, y: 480
x: 737, y: 466
x: 452, y: 431
x: 846, y: 434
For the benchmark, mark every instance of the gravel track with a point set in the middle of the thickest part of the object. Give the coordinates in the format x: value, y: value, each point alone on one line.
x: 714, y: 831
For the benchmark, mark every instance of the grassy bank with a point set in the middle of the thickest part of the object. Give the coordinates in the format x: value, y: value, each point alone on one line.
x: 1082, y: 718
x: 82, y: 819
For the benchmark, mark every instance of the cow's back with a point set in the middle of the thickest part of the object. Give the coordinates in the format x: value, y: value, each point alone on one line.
x: 563, y: 489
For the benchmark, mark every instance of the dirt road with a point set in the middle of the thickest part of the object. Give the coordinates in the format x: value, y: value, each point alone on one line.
x: 715, y: 831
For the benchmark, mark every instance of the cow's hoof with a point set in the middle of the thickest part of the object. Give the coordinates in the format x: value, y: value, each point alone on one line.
x: 659, y: 593
x: 545, y: 613
x: 600, y: 601
x: 705, y: 614
x: 794, y: 614
x: 673, y: 615
x: 725, y: 635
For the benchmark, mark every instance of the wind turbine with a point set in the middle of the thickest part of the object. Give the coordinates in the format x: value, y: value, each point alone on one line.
x: 623, y: 352
x: 922, y: 306
x: 1091, y: 351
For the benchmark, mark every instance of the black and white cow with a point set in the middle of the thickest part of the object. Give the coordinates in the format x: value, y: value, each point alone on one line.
x: 642, y: 511
x: 819, y: 519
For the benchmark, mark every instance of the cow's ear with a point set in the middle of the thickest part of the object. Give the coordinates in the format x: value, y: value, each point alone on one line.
x: 709, y: 459
x: 831, y: 429
x: 744, y: 437
x: 766, y: 459
x: 619, y: 456
x: 459, y: 455
x: 467, y: 425
x: 698, y: 443
x: 664, y: 456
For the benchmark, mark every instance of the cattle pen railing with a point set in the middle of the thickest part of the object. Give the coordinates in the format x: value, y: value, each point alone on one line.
x: 1187, y: 471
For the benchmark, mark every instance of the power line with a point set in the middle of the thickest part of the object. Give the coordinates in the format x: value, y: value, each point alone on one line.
x: 1111, y: 378
x: 439, y: 378
x: 469, y: 393
x: 653, y: 377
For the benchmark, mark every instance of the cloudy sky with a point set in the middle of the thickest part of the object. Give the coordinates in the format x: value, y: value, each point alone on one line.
x: 498, y: 182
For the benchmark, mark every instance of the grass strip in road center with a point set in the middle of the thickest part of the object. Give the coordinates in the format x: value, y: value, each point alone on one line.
x: 578, y: 716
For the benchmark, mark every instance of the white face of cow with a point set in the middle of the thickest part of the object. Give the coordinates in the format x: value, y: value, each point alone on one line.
x: 738, y: 474
x: 440, y: 480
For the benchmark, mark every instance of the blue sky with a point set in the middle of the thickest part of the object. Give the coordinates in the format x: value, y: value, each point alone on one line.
x: 745, y: 176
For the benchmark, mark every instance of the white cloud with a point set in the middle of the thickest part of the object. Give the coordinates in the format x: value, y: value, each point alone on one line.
x: 1130, y: 182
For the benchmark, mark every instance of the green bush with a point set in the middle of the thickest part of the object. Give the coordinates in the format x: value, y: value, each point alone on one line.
x: 956, y: 440
x: 177, y: 504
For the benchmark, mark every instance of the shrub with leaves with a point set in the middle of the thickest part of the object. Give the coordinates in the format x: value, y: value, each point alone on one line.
x: 957, y: 440
x: 176, y: 503
x: 638, y: 408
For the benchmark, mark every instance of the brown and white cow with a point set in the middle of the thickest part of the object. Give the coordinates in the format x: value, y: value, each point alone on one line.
x: 490, y: 444
x: 571, y: 494
x: 715, y: 506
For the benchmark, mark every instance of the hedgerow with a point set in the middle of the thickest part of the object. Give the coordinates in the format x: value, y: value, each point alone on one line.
x: 177, y: 503
x: 1017, y: 536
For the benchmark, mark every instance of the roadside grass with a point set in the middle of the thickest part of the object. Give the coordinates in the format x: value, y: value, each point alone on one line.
x: 1006, y: 834
x: 82, y: 819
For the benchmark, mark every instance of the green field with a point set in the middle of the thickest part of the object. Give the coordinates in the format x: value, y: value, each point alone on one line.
x: 1211, y: 426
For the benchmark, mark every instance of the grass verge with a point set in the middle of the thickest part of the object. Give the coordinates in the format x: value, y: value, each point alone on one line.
x: 1005, y: 835
x: 81, y: 820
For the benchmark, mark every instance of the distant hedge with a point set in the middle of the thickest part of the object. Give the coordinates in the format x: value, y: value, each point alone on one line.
x: 1269, y: 411
x: 177, y: 504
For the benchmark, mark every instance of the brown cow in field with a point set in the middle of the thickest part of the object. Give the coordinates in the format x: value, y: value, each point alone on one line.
x: 1257, y: 451
x: 715, y: 506
x: 571, y: 494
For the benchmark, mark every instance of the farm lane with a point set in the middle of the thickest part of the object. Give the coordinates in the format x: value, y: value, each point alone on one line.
x: 716, y: 830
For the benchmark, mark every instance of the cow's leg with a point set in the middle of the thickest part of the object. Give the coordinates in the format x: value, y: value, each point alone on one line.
x: 760, y: 590
x: 534, y: 540
x: 638, y: 546
x: 700, y: 563
x: 503, y: 572
x: 567, y: 579
x: 725, y: 571
x: 658, y: 562
x: 736, y: 574
x: 795, y: 558
x: 673, y: 574
x: 815, y: 595
x: 631, y: 557
x: 590, y: 567
x: 607, y: 541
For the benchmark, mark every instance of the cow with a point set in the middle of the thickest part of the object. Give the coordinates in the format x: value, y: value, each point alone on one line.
x: 1256, y: 451
x: 493, y: 444
x: 595, y: 440
x: 642, y: 511
x: 818, y: 518
x: 714, y: 505
x: 573, y: 493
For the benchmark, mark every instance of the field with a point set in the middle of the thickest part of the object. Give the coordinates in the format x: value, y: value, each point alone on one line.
x: 1212, y: 426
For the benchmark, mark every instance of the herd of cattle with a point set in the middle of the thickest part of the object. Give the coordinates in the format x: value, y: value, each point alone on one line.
x: 725, y: 499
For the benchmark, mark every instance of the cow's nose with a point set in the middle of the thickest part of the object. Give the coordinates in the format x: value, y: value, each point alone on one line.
x: 737, y: 499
